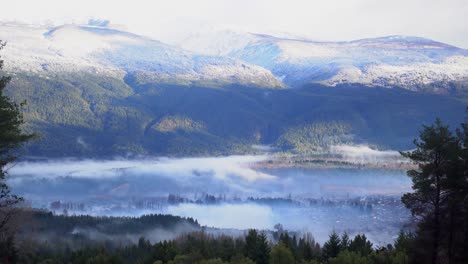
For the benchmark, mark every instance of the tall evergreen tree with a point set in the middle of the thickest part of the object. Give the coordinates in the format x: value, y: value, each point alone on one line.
x: 257, y: 247
x: 436, y: 150
x: 361, y: 245
x: 332, y: 247
x: 263, y: 254
x: 250, y: 248
x: 345, y: 241
x: 11, y: 137
x: 458, y: 231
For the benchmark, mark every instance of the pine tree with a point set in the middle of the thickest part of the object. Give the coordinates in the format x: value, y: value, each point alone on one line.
x: 361, y: 245
x: 263, y: 254
x: 256, y: 247
x: 250, y: 248
x: 435, y: 153
x: 458, y: 202
x: 344, y: 241
x: 331, y: 248
x: 11, y: 138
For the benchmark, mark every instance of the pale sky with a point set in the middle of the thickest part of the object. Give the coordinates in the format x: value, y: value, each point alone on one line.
x: 441, y: 20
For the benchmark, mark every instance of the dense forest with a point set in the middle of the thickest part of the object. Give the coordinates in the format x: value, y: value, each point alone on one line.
x: 438, y: 203
x: 202, y: 247
x: 85, y: 115
x: 438, y: 200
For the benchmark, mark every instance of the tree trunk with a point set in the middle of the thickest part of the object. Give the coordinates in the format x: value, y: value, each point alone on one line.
x: 465, y: 244
x: 450, y: 239
x: 436, y: 233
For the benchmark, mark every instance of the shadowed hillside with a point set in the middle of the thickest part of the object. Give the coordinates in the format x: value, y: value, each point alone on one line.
x: 90, y: 115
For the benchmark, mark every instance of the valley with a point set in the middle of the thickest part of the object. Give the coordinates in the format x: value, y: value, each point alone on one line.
x: 120, y: 144
x: 222, y: 192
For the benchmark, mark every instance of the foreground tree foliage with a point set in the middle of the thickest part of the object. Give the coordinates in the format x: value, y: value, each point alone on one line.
x: 11, y: 138
x: 280, y: 254
x: 204, y: 245
x: 439, y: 200
x: 256, y: 247
x: 439, y: 204
x: 200, y: 247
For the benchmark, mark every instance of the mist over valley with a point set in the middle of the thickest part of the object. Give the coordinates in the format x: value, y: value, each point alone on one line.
x: 222, y: 192
x: 233, y: 132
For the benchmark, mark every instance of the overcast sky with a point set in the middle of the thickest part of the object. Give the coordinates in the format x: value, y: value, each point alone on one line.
x: 442, y: 20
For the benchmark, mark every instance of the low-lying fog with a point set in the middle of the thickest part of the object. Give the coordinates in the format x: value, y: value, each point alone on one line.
x: 223, y: 192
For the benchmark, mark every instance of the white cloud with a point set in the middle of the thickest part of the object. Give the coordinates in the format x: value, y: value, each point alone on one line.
x: 365, y: 154
x: 222, y: 168
x: 319, y: 19
x: 229, y: 175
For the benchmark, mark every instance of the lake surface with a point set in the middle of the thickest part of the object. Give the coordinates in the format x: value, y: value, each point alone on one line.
x: 222, y: 192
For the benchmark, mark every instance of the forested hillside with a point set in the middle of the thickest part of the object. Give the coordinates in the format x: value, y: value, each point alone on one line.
x: 92, y: 115
x: 96, y: 90
x: 84, y: 239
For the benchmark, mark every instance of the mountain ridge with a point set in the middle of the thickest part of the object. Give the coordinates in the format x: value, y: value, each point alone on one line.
x: 116, y: 53
x: 110, y: 93
x: 232, y: 57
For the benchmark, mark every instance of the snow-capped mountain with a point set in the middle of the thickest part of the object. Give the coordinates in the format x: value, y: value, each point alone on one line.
x: 235, y: 57
x: 102, y: 50
x: 96, y: 91
x: 408, y: 62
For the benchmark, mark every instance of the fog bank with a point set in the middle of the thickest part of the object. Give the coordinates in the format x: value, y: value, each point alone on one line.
x: 222, y: 192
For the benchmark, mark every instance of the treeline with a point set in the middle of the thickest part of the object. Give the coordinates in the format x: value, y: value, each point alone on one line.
x: 255, y: 247
x: 439, y: 200
x: 315, y: 138
x: 63, y: 225
x: 42, y: 232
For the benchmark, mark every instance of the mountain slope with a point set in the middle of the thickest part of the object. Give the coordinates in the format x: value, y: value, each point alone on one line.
x: 396, y: 61
x: 109, y: 52
x: 88, y: 115
x: 94, y: 91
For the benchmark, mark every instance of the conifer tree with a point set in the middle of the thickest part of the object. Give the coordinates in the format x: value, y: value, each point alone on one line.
x: 361, y: 245
x: 332, y: 247
x: 280, y: 254
x: 344, y: 241
x: 436, y: 154
x: 263, y: 254
x: 11, y: 138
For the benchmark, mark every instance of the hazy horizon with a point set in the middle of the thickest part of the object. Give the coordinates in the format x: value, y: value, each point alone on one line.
x: 322, y: 20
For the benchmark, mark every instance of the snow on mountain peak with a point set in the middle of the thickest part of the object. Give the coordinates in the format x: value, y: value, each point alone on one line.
x: 70, y: 40
x: 230, y: 56
x: 110, y: 51
x: 216, y: 42
x: 402, y: 42
x: 402, y: 61
x: 297, y: 51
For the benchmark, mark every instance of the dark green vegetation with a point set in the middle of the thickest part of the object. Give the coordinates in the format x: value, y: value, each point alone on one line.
x: 11, y: 137
x: 65, y: 227
x: 43, y: 231
x: 56, y: 243
x: 91, y: 115
x: 439, y: 204
x: 440, y: 197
